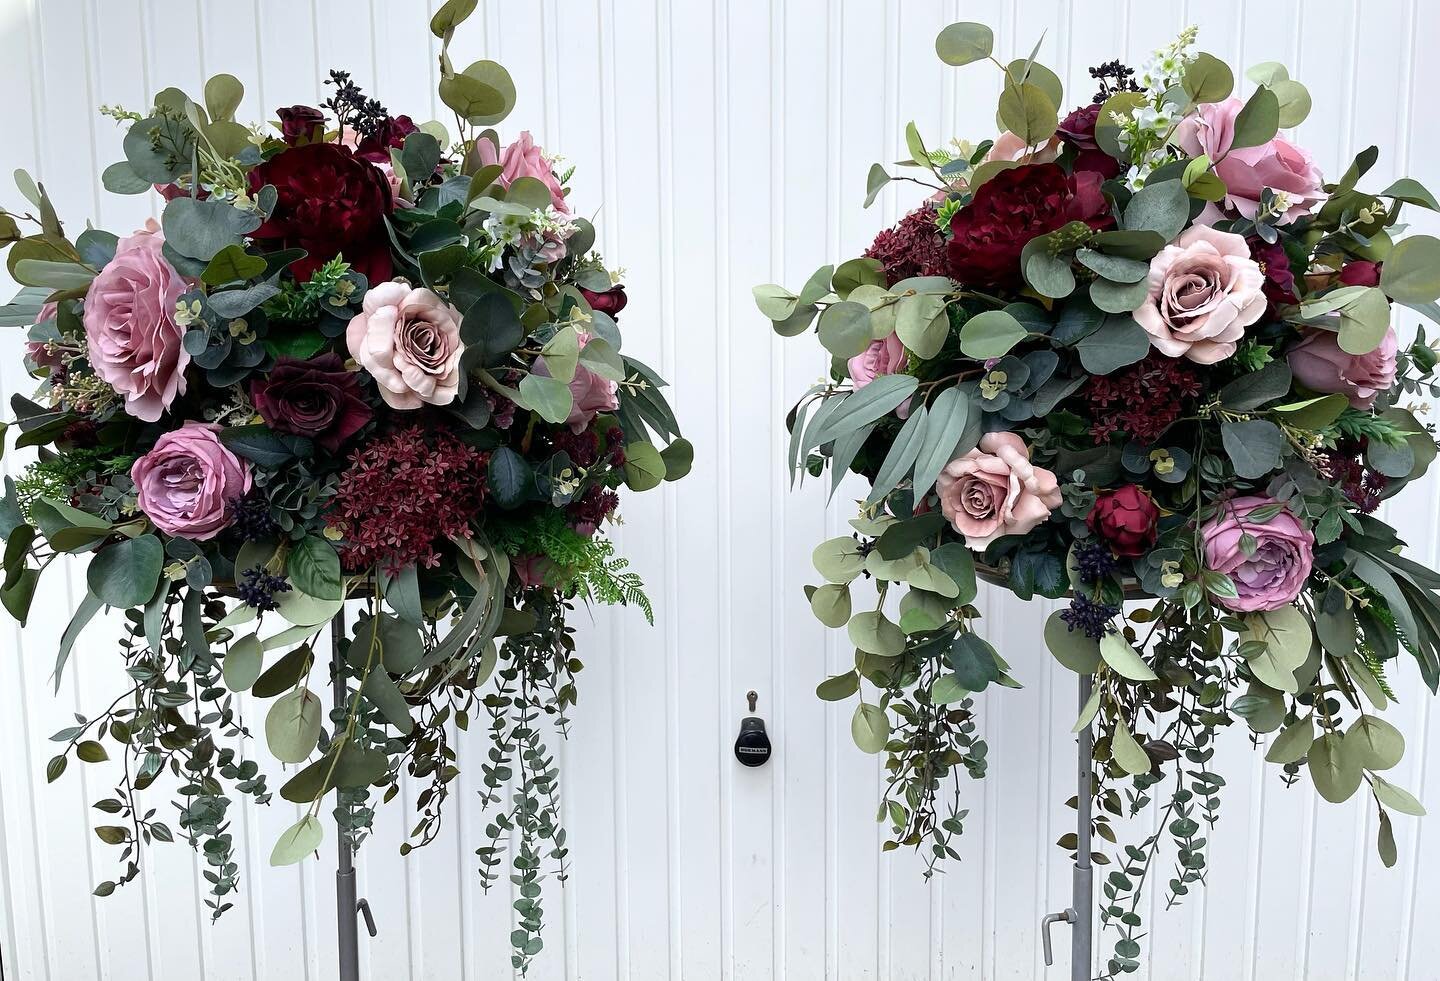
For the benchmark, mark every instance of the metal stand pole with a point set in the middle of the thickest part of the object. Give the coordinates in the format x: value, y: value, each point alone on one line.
x: 1081, y: 913
x: 347, y: 907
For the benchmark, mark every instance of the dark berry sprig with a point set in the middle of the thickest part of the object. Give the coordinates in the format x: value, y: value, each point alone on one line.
x: 257, y: 588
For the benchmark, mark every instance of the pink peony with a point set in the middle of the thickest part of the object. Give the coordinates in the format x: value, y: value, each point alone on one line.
x: 186, y: 482
x: 884, y: 357
x: 994, y: 491
x: 1318, y: 363
x: 1279, y: 165
x: 133, y: 341
x: 590, y: 394
x: 1204, y: 291
x: 408, y: 339
x: 524, y: 159
x: 1273, y: 575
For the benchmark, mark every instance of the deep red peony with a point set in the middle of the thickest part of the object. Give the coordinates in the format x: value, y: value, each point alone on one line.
x: 330, y: 203
x: 1009, y: 210
x: 318, y: 399
x: 611, y: 301
x: 1125, y: 519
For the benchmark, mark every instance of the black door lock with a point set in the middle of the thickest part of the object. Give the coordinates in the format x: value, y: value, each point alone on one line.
x: 752, y: 746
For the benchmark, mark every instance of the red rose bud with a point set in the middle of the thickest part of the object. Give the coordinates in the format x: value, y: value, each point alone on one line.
x: 301, y: 124
x: 1361, y: 272
x: 1125, y: 519
x: 611, y: 302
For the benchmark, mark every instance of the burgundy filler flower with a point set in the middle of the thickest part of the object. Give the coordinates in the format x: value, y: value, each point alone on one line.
x: 914, y: 247
x: 611, y: 301
x: 316, y: 398
x: 1140, y: 401
x: 1009, y: 210
x: 1279, y: 285
x: 1125, y: 519
x: 330, y: 203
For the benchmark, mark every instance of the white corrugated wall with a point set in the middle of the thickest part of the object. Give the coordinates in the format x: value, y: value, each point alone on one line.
x: 721, y: 145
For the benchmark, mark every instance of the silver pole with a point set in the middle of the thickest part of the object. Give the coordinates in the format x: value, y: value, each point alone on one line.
x: 347, y: 929
x: 1082, y: 897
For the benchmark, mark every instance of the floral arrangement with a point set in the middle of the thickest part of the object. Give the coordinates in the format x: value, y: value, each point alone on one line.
x: 355, y: 357
x: 1141, y: 353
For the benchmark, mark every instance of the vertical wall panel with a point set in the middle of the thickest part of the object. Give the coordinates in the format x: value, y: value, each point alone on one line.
x: 718, y: 144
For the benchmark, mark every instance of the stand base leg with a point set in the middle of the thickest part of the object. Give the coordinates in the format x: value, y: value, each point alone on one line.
x: 1082, y: 895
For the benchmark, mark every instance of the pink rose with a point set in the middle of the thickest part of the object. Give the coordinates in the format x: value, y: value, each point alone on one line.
x: 994, y: 491
x: 1273, y: 575
x: 1318, y: 363
x: 133, y: 341
x: 186, y: 482
x: 408, y: 339
x: 590, y: 394
x: 1204, y: 291
x: 524, y: 159
x: 1008, y: 146
x: 1279, y: 165
x: 884, y: 357
x: 533, y: 570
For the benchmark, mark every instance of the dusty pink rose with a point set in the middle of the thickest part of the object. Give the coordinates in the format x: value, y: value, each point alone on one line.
x: 1008, y: 146
x: 1318, y: 363
x: 524, y: 159
x: 186, y: 482
x: 533, y: 570
x: 590, y: 394
x: 1204, y: 291
x: 1273, y: 575
x: 1279, y: 165
x: 133, y: 341
x: 884, y: 357
x: 994, y: 491
x: 408, y: 339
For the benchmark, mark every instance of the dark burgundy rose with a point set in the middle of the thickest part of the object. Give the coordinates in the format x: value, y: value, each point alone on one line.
x: 387, y: 136
x: 612, y: 301
x: 1360, y: 272
x: 316, y: 398
x: 1078, y: 130
x: 1125, y: 519
x: 301, y: 124
x: 1279, y: 285
x: 330, y: 203
x: 1009, y: 210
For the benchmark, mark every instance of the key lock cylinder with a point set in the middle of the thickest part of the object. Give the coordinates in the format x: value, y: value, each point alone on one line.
x: 752, y: 746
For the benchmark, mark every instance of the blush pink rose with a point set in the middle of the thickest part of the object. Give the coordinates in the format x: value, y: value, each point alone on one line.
x: 883, y: 357
x: 524, y: 159
x: 1204, y: 291
x: 1279, y: 165
x: 1271, y: 576
x: 133, y: 341
x: 1318, y: 363
x: 994, y: 490
x: 186, y: 482
x: 1008, y: 146
x: 408, y: 339
x: 590, y: 394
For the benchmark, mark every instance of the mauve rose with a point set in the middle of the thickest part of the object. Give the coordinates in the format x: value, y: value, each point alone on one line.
x: 1204, y: 291
x: 1318, y: 363
x: 524, y: 159
x: 187, y: 480
x: 409, y: 341
x: 994, y: 490
x: 301, y: 124
x: 1273, y: 575
x: 1360, y: 272
x: 1125, y: 519
x: 316, y: 398
x: 590, y: 394
x: 132, y: 340
x: 1278, y: 165
x: 883, y: 357
x: 611, y: 302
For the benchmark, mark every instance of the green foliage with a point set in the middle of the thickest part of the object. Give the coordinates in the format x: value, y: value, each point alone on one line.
x: 586, y: 567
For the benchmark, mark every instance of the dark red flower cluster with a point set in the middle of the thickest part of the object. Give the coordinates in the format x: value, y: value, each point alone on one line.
x: 591, y: 508
x: 914, y: 247
x: 1279, y: 285
x: 1009, y: 210
x: 1345, y: 467
x: 401, y: 494
x: 1140, y: 401
x: 584, y: 447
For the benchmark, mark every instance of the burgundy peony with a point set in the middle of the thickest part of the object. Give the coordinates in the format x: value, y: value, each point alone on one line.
x: 1078, y: 131
x: 301, y: 124
x: 611, y: 301
x: 316, y: 398
x: 387, y: 136
x: 330, y: 203
x: 1125, y: 519
x: 1009, y: 210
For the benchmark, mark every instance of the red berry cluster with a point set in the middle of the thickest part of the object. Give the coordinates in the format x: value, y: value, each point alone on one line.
x: 914, y: 247
x: 401, y: 494
x: 1140, y: 401
x: 1345, y: 467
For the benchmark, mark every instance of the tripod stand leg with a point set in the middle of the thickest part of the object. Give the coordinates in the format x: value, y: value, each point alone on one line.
x: 1082, y: 897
